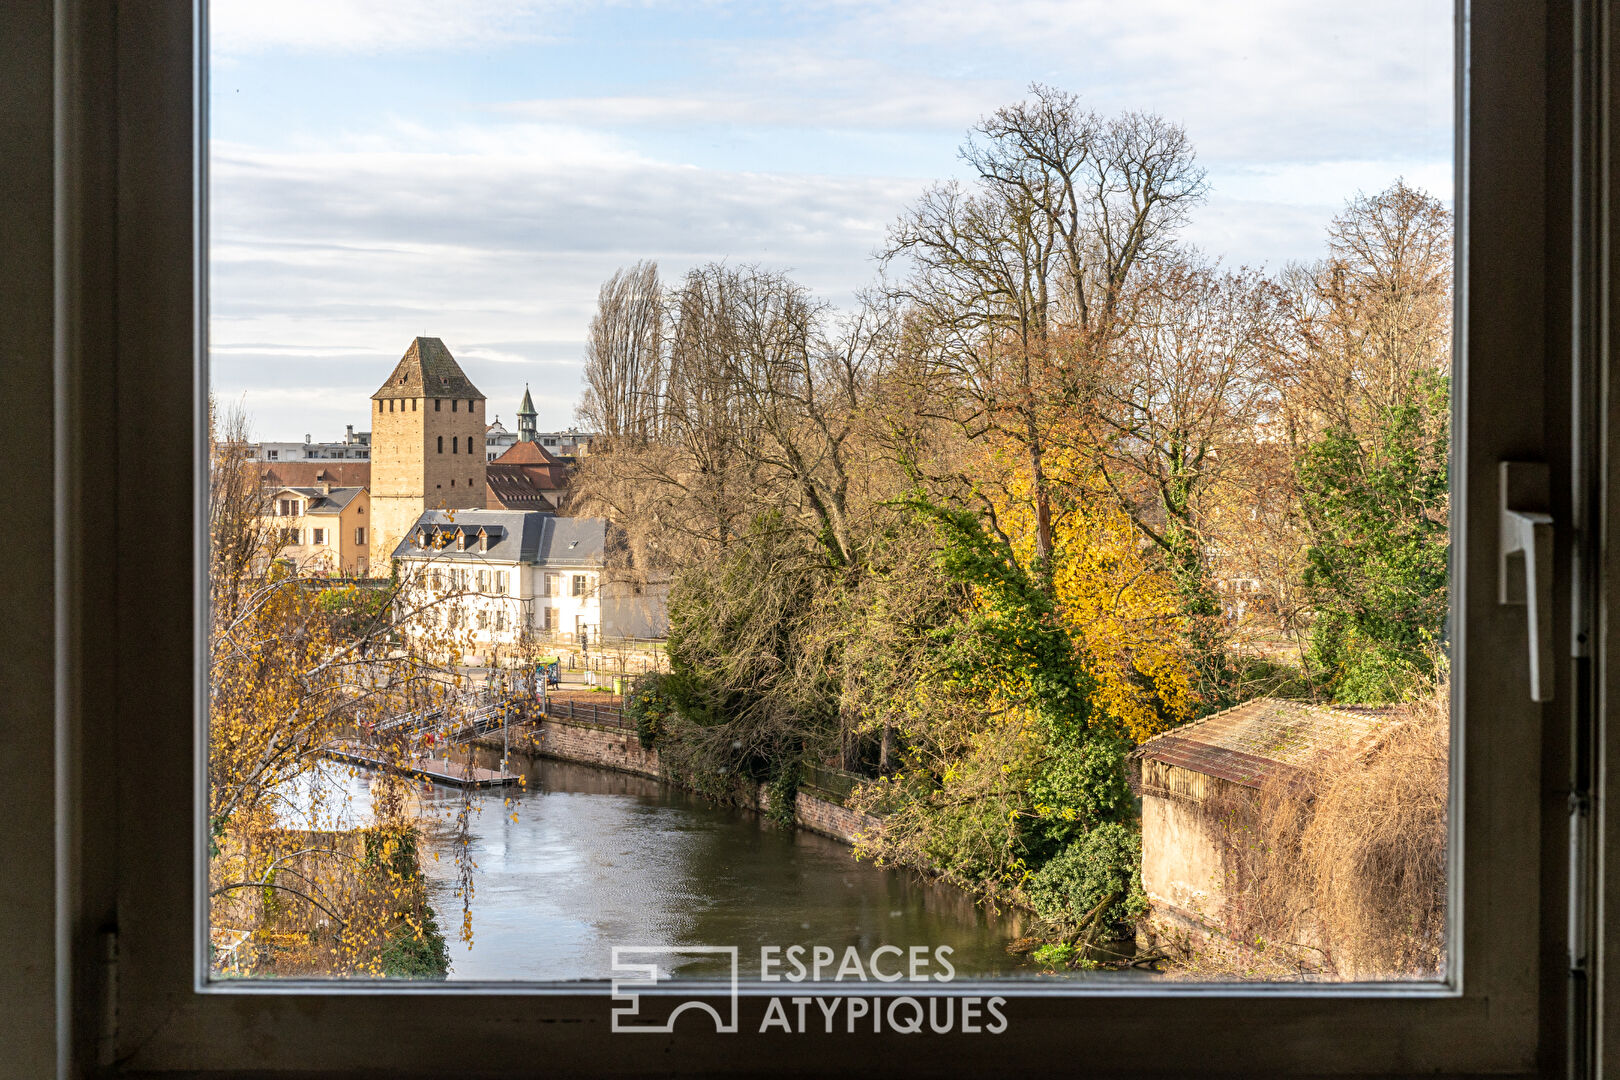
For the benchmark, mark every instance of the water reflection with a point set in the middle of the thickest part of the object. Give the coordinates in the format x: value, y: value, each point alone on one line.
x: 596, y: 859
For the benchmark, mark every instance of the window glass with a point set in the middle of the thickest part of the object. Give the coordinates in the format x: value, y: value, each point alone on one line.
x: 1021, y: 430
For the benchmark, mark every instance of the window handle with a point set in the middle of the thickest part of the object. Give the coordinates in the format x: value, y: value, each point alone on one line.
x: 1526, y: 564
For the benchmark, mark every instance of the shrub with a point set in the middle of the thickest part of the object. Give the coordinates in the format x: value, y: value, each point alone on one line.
x: 1093, y: 887
x: 416, y: 953
x: 647, y: 705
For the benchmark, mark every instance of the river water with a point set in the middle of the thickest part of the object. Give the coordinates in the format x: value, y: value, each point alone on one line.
x: 583, y: 860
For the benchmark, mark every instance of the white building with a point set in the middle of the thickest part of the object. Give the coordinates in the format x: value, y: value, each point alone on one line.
x: 355, y: 446
x: 494, y: 576
x: 569, y: 445
x: 497, y: 439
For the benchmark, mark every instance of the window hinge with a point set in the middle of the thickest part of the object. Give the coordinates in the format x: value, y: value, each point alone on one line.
x: 107, y: 1041
x: 1580, y: 847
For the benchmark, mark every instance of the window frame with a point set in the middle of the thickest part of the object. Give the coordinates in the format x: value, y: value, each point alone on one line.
x: 130, y: 100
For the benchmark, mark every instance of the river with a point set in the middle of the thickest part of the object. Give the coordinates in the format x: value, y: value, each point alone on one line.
x: 583, y: 860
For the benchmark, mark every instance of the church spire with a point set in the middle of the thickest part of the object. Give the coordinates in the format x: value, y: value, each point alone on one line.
x: 526, y: 417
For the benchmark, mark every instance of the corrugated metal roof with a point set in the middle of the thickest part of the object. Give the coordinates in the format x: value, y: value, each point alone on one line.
x: 1254, y: 740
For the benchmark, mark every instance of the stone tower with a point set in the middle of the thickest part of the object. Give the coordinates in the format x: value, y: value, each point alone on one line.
x: 526, y: 417
x: 427, y: 445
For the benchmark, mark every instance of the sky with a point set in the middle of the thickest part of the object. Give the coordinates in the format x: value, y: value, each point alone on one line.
x: 473, y: 170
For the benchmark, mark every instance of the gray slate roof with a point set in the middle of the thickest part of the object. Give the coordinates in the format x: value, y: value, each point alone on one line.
x: 524, y: 536
x: 321, y: 502
x: 427, y: 370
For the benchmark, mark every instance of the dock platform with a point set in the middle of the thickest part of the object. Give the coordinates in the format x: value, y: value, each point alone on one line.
x: 435, y: 769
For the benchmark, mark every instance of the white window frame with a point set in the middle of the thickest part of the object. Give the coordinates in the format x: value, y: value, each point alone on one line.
x: 125, y: 868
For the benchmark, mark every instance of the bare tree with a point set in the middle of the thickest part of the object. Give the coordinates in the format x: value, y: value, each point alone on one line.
x: 1372, y: 315
x: 241, y: 541
x: 1015, y: 287
x: 760, y: 392
x: 1183, y: 422
x: 624, y: 354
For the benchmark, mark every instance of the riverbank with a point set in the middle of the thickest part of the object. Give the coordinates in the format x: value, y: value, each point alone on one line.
x: 816, y: 808
x: 581, y: 859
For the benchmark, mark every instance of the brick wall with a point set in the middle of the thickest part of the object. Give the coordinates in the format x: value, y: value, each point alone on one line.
x: 617, y: 748
x: 590, y: 744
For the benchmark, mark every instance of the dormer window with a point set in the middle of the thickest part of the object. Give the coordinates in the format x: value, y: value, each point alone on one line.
x: 483, y: 540
x: 421, y: 538
x: 461, y: 541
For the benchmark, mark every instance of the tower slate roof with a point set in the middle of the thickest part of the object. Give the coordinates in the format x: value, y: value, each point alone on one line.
x: 527, y: 408
x: 427, y: 370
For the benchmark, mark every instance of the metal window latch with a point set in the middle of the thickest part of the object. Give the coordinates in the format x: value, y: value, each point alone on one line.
x: 1525, y: 565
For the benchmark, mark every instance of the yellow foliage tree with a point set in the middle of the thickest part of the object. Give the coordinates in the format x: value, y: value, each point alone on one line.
x: 1117, y: 600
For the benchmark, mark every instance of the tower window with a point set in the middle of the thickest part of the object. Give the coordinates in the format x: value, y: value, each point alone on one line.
x: 441, y: 444
x: 413, y: 404
x: 379, y: 406
x: 469, y: 444
x: 469, y: 406
x: 454, y: 442
x: 390, y: 404
x: 436, y: 403
x: 452, y: 404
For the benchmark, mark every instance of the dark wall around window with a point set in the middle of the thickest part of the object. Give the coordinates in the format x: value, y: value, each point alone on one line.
x: 120, y: 206
x: 27, y: 887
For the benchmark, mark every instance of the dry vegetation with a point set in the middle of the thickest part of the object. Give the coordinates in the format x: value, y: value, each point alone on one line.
x: 1339, y: 871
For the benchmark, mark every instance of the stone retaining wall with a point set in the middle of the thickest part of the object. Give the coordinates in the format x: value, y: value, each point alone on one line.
x: 617, y: 748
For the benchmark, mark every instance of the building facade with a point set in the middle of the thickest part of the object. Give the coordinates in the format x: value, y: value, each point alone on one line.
x: 324, y: 529
x: 427, y: 444
x: 355, y: 446
x: 496, y: 439
x: 497, y: 577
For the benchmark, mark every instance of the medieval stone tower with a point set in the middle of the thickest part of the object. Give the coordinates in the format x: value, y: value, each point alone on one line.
x: 427, y: 445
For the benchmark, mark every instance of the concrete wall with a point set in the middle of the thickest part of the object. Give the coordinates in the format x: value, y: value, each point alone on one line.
x: 1182, y: 868
x: 627, y: 613
x: 618, y: 748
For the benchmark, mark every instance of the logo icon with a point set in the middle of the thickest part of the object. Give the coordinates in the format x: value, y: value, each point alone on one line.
x: 644, y: 974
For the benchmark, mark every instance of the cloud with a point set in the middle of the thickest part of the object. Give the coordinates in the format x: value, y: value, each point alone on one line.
x: 788, y: 136
x: 367, y: 26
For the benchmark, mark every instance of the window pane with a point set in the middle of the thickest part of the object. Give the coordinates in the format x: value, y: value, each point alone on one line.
x: 983, y: 471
